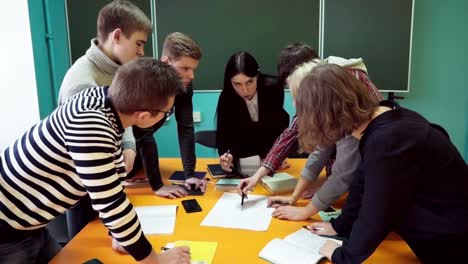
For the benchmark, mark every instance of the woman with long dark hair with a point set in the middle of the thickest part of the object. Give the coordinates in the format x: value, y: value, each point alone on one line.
x: 250, y: 114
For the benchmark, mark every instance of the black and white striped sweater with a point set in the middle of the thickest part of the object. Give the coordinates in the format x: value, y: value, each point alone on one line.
x: 74, y: 151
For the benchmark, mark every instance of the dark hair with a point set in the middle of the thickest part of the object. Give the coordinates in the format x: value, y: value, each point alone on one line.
x: 294, y: 54
x: 144, y: 83
x: 331, y: 104
x: 178, y: 45
x: 124, y: 15
x: 240, y: 62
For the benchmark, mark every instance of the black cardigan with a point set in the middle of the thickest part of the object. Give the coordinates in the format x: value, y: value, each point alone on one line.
x: 235, y: 130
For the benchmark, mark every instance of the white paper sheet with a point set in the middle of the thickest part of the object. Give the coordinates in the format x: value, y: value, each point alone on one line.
x: 228, y: 213
x: 157, y: 219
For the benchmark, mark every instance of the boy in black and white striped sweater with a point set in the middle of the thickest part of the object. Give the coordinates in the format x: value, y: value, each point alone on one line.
x: 77, y: 150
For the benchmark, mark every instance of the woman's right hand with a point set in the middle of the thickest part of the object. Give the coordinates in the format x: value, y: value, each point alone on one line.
x: 225, y: 161
x: 246, y: 185
x: 322, y: 228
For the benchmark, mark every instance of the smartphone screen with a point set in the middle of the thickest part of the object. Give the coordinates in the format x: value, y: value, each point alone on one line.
x: 191, y: 206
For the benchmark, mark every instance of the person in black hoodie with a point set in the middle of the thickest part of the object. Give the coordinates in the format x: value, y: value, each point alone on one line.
x: 250, y: 114
x: 412, y: 180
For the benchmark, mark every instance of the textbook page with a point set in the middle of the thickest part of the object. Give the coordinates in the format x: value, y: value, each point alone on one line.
x: 157, y: 219
x: 229, y: 213
x: 301, y: 246
x: 279, y: 251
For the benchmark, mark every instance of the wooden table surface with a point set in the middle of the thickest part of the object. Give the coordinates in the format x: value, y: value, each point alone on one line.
x: 234, y: 245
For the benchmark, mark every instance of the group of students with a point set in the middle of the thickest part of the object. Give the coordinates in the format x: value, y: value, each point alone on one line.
x: 402, y: 172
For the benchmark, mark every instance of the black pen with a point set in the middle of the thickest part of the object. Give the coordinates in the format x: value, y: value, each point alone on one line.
x: 327, y: 236
x: 242, y: 201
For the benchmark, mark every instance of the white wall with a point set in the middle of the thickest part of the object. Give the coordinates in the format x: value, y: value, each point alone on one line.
x: 19, y: 108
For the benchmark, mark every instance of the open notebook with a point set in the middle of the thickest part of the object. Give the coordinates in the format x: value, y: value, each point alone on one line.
x: 299, y: 247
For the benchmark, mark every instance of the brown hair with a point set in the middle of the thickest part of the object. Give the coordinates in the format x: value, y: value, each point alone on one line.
x: 144, y: 83
x: 178, y: 45
x: 294, y: 54
x: 331, y: 104
x: 124, y: 15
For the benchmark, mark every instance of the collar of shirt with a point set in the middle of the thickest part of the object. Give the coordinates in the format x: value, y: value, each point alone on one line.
x: 252, y: 106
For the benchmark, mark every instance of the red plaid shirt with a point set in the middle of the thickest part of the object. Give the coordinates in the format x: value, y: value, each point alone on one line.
x: 284, y: 143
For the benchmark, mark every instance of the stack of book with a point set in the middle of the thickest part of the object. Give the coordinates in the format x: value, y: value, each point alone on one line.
x: 227, y: 184
x: 216, y: 171
x: 280, y: 183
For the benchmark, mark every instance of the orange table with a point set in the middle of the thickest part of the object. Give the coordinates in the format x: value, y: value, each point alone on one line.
x: 234, y: 245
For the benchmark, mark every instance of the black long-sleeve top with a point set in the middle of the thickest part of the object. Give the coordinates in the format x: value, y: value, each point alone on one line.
x: 412, y: 180
x: 237, y: 132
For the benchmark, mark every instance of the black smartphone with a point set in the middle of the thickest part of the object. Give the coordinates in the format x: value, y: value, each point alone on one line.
x: 93, y: 261
x: 191, y: 206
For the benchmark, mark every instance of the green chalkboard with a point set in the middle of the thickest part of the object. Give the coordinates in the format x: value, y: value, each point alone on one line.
x: 82, y: 24
x: 379, y: 31
x: 223, y: 27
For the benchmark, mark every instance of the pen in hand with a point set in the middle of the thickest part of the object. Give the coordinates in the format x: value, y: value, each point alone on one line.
x: 314, y: 228
x: 243, y: 194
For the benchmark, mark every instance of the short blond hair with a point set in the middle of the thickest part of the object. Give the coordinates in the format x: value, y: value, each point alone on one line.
x: 177, y: 45
x: 301, y: 71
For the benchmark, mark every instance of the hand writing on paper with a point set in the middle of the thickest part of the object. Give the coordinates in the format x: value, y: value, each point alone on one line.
x: 246, y: 185
x: 177, y: 255
x: 171, y: 192
x: 322, y: 228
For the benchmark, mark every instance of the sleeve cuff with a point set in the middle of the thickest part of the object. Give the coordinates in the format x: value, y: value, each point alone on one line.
x: 318, y: 204
x: 140, y: 249
x: 269, y: 166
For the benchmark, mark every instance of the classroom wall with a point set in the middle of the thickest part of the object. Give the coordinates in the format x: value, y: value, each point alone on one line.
x: 439, y: 72
x: 438, y: 85
x: 18, y: 101
x: 438, y: 77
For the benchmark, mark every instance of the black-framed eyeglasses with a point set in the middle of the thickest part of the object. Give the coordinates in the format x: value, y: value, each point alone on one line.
x: 166, y: 113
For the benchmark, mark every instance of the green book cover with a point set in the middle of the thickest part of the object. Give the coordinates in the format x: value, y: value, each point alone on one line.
x: 280, y: 183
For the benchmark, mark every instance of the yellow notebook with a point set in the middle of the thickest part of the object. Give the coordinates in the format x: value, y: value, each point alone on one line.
x: 200, y: 252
